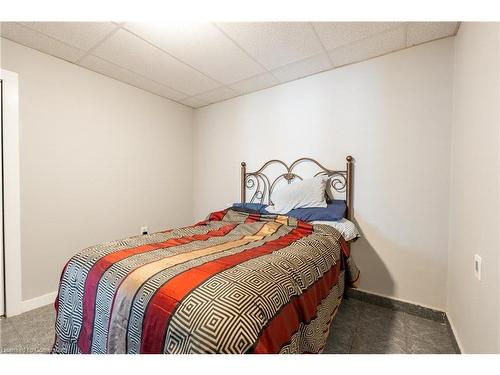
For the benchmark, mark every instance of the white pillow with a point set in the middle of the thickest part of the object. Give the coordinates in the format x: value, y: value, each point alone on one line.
x: 346, y: 228
x: 307, y: 193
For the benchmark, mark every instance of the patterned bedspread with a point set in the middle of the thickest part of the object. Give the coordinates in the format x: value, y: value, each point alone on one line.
x: 234, y: 283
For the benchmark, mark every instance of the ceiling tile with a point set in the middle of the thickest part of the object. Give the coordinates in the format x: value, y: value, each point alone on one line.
x: 129, y: 51
x: 376, y: 45
x: 217, y: 95
x: 82, y: 35
x: 201, y: 45
x: 420, y: 32
x: 275, y: 44
x: 111, y: 70
x: 303, y: 68
x: 336, y: 34
x: 30, y: 38
x: 202, y: 63
x: 258, y: 82
x: 193, y: 102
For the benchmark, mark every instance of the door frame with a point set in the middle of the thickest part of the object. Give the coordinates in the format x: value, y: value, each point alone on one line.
x: 11, y: 192
x: 2, y: 265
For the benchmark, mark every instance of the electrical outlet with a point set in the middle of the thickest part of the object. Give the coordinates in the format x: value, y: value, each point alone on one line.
x: 477, y: 266
x: 144, y: 230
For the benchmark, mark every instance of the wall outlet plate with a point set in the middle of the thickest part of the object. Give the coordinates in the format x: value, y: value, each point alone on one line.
x: 144, y: 230
x: 477, y: 266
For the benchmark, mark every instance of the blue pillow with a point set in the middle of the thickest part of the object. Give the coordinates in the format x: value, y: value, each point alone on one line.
x: 335, y: 210
x: 259, y: 207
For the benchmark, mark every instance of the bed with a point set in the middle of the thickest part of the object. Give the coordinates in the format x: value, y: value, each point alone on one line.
x: 237, y: 282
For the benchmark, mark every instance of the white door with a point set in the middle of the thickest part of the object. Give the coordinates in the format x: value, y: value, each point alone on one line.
x: 2, y: 273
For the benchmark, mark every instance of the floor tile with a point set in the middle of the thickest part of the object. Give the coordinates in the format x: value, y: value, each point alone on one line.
x: 427, y: 336
x: 359, y: 327
x: 392, y: 345
x: 340, y: 339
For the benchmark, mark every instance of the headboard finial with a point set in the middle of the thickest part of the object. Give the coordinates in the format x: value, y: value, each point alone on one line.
x: 348, y: 199
x: 242, y: 181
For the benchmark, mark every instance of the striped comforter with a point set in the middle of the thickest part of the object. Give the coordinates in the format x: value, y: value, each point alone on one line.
x: 234, y: 283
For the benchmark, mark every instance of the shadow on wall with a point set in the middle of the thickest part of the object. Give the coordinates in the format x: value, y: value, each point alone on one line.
x: 375, y: 276
x: 375, y: 326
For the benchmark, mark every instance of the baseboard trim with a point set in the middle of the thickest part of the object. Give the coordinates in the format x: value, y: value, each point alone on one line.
x: 456, y: 340
x: 34, y: 303
x: 398, y: 305
x: 410, y: 308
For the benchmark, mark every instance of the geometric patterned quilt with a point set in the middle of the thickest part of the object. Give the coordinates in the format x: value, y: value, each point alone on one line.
x: 234, y: 283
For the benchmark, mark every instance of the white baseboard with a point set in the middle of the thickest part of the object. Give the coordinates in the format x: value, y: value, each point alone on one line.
x: 457, y: 338
x: 34, y: 303
x: 403, y: 300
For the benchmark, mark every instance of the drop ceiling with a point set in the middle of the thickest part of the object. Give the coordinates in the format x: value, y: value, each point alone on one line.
x: 197, y: 64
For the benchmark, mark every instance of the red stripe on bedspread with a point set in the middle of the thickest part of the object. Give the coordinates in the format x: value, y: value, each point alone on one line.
x: 252, y: 218
x: 301, y: 309
x: 216, y: 216
x: 100, y: 267
x: 344, y: 246
x: 163, y: 304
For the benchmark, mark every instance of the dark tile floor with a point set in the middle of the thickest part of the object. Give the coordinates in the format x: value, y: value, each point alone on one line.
x: 363, y: 328
x: 359, y: 327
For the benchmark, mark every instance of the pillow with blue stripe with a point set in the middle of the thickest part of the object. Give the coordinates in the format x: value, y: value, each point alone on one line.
x: 335, y: 210
x: 251, y: 207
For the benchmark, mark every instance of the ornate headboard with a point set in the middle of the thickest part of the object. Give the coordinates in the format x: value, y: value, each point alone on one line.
x: 261, y: 186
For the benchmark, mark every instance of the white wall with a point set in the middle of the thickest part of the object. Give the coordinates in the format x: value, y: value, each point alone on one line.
x: 393, y: 114
x: 473, y: 306
x: 99, y: 159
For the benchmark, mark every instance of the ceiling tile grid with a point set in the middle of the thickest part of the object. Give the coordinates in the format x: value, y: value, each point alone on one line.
x: 421, y: 32
x: 217, y: 95
x: 377, y: 45
x: 127, y: 50
x: 41, y: 42
x: 338, y: 34
x: 202, y: 46
x: 193, y: 102
x: 303, y: 68
x: 197, y: 64
x: 121, y: 74
x: 258, y: 82
x: 274, y: 44
x: 82, y: 35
